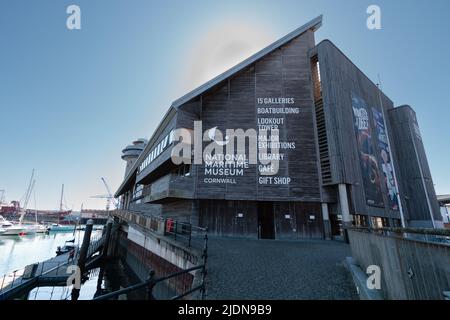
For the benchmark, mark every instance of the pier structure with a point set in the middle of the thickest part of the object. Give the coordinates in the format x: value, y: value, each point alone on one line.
x: 98, y: 216
x: 181, y: 267
x: 56, y: 271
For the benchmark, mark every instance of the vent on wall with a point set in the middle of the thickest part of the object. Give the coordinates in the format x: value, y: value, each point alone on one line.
x: 320, y: 123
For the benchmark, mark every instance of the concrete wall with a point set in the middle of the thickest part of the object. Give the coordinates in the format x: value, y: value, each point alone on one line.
x: 145, y: 251
x: 410, y: 269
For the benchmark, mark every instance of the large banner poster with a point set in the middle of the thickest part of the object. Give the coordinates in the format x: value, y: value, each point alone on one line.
x: 368, y: 161
x: 386, y: 160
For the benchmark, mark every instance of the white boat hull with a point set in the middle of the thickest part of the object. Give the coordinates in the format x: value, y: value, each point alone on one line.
x: 36, y: 229
x: 61, y: 228
x: 14, y: 231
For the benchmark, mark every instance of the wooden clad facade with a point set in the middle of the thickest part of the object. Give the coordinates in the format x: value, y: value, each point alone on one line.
x: 419, y: 194
x: 340, y: 79
x: 315, y: 95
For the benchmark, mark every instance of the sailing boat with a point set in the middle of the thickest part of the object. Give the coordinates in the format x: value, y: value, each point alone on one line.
x: 12, y: 229
x: 36, y: 227
x: 33, y: 228
x: 57, y: 226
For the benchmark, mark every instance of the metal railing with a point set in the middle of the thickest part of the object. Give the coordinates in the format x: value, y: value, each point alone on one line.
x: 183, y: 232
x: 150, y: 283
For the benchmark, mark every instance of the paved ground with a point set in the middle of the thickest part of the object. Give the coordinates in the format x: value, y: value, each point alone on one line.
x: 264, y: 269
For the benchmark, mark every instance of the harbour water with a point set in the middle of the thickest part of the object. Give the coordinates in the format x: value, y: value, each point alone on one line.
x: 16, y: 252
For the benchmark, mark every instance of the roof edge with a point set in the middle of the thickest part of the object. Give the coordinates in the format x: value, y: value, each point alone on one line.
x: 356, y: 66
x: 313, y: 25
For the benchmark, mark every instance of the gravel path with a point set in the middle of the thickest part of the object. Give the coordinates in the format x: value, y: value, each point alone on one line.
x: 278, y: 270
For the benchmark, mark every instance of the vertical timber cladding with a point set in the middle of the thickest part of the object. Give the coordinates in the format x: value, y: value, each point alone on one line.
x: 273, y: 93
x: 350, y: 98
x: 413, y: 158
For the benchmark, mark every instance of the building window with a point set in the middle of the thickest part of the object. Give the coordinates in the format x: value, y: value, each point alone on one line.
x: 182, y: 171
x: 163, y: 144
x: 138, y: 191
x: 361, y: 221
x: 378, y: 222
x: 187, y: 170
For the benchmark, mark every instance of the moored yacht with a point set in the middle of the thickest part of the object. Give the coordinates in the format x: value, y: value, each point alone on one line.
x: 11, y: 229
x: 37, y: 228
x: 59, y: 227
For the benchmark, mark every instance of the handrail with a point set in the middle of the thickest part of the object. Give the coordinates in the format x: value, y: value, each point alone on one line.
x: 179, y: 273
x: 199, y: 287
x: 123, y: 291
x: 151, y: 282
x: 187, y: 229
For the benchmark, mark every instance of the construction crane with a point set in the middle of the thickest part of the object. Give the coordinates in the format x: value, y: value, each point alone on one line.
x: 109, y: 197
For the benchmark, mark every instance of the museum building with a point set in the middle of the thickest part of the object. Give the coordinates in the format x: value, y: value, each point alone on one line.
x: 345, y: 155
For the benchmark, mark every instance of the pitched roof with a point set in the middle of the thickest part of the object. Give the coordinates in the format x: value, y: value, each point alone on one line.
x: 311, y: 25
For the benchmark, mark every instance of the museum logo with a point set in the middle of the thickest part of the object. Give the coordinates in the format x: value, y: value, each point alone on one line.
x: 229, y: 154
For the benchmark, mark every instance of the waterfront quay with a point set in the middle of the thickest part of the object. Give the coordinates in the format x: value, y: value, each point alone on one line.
x: 58, y: 270
x: 169, y: 259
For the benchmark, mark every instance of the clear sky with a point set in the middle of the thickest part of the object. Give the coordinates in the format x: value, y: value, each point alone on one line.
x: 70, y: 100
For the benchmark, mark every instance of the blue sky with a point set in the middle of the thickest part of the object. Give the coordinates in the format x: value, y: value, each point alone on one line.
x: 71, y: 100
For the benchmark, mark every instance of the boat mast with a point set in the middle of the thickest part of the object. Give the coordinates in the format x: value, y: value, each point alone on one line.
x: 27, y: 197
x: 61, y: 201
x: 35, y: 207
x: 2, y: 192
x: 61, y: 204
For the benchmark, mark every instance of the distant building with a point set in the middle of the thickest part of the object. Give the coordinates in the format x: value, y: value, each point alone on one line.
x: 344, y: 150
x: 98, y: 216
x: 132, y: 152
x: 444, y: 203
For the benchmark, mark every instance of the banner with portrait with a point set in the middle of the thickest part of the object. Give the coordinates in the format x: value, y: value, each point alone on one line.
x: 386, y: 159
x: 368, y: 161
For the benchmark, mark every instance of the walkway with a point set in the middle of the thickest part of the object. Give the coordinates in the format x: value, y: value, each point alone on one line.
x: 264, y: 269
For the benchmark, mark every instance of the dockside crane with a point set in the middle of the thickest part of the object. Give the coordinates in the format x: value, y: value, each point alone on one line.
x: 109, y: 197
